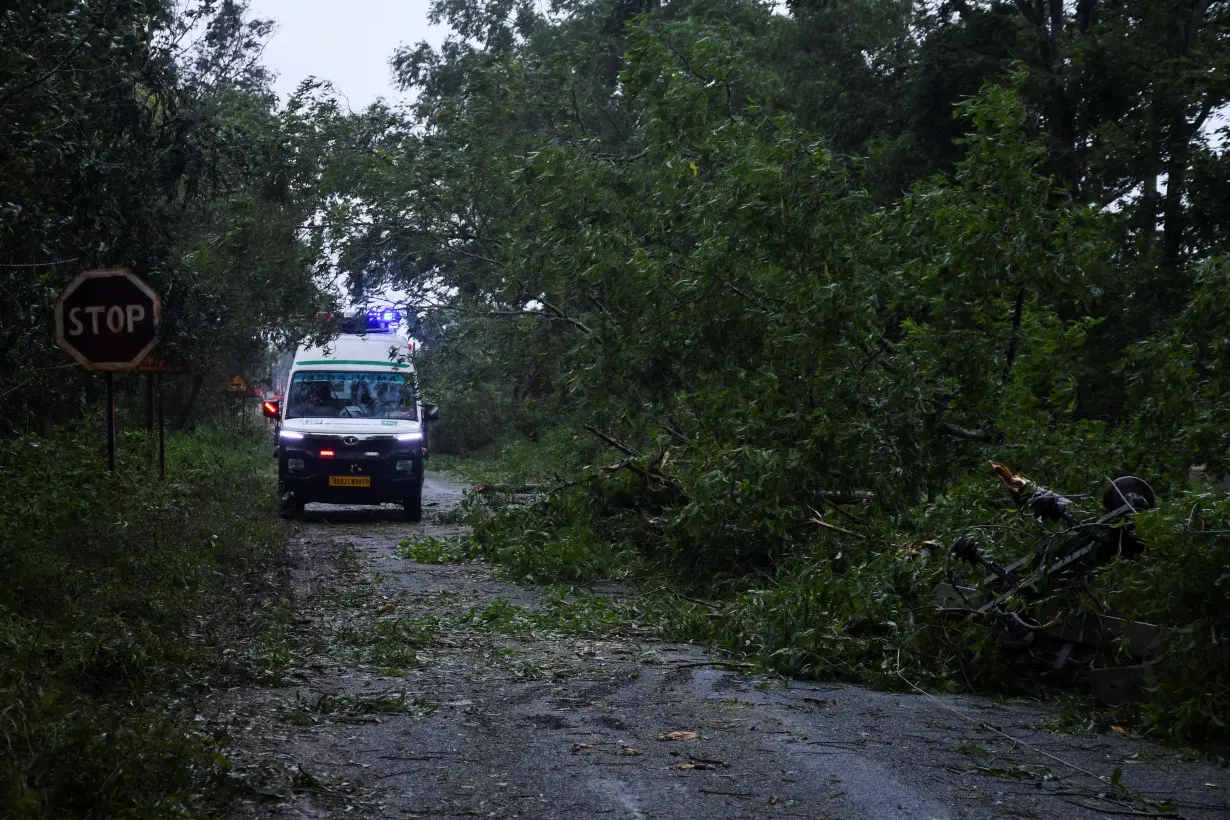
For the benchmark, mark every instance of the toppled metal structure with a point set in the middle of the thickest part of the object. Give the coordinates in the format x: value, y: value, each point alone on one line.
x: 1026, y: 598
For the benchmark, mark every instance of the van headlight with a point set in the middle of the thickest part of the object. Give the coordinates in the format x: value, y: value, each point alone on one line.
x: 409, y: 437
x: 294, y: 464
x: 405, y: 466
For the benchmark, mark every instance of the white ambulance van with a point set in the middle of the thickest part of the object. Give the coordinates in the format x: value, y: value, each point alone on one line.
x: 351, y: 426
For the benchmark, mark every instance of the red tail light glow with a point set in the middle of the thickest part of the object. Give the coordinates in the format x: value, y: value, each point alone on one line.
x: 327, y: 454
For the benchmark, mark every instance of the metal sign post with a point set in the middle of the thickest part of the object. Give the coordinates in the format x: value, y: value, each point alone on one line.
x: 162, y: 434
x: 149, y: 402
x: 108, y: 320
x: 155, y: 369
x: 111, y: 420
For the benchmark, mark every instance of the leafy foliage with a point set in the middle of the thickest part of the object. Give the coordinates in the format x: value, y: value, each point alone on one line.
x: 1183, y: 585
x: 119, y: 591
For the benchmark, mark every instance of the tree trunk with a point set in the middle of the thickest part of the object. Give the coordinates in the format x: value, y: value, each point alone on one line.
x: 1174, y: 217
x: 1047, y: 19
x: 1014, y: 338
x: 185, y: 415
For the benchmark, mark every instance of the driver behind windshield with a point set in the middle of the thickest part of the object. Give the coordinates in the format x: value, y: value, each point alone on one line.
x: 316, y: 400
x: 361, y: 395
x: 386, y: 401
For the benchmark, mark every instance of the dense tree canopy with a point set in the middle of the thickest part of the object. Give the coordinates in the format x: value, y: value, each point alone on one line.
x: 144, y: 135
x: 850, y: 237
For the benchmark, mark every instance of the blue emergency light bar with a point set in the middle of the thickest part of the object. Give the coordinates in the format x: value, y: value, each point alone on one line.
x: 375, y: 320
x: 382, y: 318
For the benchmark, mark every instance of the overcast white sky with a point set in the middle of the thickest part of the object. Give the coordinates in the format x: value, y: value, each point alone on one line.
x: 348, y: 42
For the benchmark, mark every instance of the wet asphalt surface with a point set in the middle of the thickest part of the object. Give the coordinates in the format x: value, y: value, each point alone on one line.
x: 473, y: 722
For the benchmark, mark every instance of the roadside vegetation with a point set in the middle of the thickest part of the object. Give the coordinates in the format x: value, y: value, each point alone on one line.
x: 124, y: 597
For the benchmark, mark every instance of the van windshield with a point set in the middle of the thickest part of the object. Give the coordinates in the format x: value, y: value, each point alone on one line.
x: 353, y: 395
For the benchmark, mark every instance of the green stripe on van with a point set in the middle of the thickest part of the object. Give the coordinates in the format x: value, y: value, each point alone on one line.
x: 353, y: 361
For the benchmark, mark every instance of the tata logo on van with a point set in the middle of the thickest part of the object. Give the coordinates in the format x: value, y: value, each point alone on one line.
x: 350, y: 441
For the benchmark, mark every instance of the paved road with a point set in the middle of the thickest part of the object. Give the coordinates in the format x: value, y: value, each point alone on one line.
x: 403, y: 701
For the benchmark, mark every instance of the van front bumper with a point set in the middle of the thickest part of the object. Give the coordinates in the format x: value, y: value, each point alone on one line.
x: 309, y: 489
x: 306, y: 474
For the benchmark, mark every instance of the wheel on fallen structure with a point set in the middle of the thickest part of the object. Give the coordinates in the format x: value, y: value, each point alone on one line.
x: 1131, y: 490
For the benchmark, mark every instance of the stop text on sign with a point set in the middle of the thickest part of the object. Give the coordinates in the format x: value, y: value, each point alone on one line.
x: 108, y: 319
x: 120, y: 319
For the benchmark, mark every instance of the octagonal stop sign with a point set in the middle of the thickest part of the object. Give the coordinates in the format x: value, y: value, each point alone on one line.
x: 108, y: 319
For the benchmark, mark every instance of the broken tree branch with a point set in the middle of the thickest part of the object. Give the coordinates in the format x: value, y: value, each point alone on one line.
x: 650, y: 475
x: 628, y: 464
x: 505, y: 488
x: 817, y: 520
x: 851, y: 518
x: 565, y: 317
x: 612, y: 441
x: 675, y: 433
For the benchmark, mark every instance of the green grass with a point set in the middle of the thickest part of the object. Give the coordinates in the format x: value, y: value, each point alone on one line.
x: 119, y: 595
x: 429, y: 550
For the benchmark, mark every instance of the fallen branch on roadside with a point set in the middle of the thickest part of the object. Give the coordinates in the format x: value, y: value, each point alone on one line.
x: 650, y: 475
x: 851, y: 518
x: 523, y: 489
x: 818, y: 521
x: 505, y: 488
x: 612, y: 441
x: 709, y: 604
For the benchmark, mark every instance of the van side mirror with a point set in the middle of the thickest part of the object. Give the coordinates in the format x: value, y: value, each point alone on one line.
x: 431, y: 412
x: 272, y: 408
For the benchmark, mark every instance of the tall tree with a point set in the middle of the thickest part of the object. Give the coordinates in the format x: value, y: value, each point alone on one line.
x: 131, y: 141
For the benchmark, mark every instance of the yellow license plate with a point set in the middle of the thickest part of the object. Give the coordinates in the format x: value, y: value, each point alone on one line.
x: 350, y: 481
